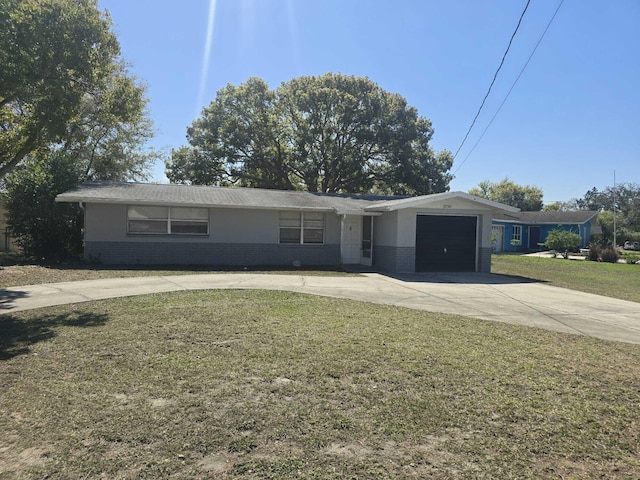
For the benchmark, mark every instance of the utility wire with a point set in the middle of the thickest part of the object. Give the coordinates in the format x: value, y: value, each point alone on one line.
x: 512, y: 86
x: 494, y: 79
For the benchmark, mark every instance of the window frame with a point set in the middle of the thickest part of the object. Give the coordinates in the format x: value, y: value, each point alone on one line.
x: 168, y: 221
x: 302, y: 226
x: 517, y: 234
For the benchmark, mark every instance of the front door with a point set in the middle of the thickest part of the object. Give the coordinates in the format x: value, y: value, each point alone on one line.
x: 366, y: 255
x: 350, y: 241
x: 534, y: 238
x: 497, y: 238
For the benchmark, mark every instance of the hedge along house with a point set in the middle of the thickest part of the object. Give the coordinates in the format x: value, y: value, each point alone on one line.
x: 130, y: 223
x: 524, y: 231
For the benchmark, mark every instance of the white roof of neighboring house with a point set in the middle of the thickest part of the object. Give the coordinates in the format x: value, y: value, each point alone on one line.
x: 438, y: 198
x: 236, y: 197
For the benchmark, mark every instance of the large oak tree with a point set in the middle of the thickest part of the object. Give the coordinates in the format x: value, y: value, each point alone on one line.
x: 70, y: 112
x: 52, y: 53
x: 332, y: 133
x: 109, y: 136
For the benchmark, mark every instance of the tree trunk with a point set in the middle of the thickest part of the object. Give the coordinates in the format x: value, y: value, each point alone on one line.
x: 11, y: 164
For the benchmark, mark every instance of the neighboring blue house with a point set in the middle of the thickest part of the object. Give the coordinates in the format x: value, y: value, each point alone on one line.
x: 524, y: 231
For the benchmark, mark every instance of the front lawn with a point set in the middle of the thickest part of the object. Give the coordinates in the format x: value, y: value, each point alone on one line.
x: 615, y: 280
x: 255, y: 384
x: 16, y: 272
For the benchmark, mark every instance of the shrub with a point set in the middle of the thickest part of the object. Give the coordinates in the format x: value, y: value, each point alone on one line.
x: 594, y: 252
x: 609, y: 255
x: 562, y: 241
x: 631, y: 259
x: 42, y: 227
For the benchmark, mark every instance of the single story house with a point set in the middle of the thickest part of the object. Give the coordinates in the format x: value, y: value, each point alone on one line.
x: 135, y: 223
x: 513, y: 232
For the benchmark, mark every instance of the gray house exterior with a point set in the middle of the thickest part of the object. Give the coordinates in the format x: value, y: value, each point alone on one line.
x: 134, y: 223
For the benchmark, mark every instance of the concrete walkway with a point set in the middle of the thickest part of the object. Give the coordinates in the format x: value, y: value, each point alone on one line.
x: 484, y: 296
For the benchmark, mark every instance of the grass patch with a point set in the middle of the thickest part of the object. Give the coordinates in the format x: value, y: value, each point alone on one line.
x: 629, y: 256
x: 615, y: 280
x: 19, y: 272
x: 237, y: 384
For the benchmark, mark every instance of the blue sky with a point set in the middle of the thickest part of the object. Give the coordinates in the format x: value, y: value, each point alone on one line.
x: 570, y: 121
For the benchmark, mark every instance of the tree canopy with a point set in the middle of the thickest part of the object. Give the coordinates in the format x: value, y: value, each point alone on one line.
x: 53, y: 53
x: 109, y: 135
x: 624, y: 196
x: 525, y: 197
x: 69, y: 112
x: 332, y: 133
x: 559, y: 206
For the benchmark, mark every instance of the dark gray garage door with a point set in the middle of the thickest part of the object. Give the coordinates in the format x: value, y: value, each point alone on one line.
x: 445, y: 243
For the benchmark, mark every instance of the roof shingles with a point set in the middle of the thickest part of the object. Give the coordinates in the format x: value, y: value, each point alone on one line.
x: 234, y: 197
x: 574, y: 217
x: 171, y: 194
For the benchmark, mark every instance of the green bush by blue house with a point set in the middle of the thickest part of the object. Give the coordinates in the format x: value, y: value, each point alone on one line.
x: 525, y: 231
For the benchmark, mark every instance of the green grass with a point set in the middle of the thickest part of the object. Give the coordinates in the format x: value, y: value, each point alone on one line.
x: 236, y: 384
x: 615, y: 280
x: 16, y: 272
x: 630, y: 257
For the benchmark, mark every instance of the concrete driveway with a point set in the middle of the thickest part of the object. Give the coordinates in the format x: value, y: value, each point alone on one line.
x: 484, y: 296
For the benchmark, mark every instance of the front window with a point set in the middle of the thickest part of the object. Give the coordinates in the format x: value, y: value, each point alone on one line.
x: 150, y: 220
x: 189, y: 221
x: 517, y: 235
x: 302, y: 228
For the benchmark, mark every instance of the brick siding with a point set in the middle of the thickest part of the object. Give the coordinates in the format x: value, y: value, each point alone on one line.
x: 395, y: 259
x: 484, y: 260
x: 219, y: 254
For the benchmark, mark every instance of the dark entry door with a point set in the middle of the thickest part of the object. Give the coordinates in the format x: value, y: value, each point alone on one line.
x: 534, y: 238
x: 445, y: 243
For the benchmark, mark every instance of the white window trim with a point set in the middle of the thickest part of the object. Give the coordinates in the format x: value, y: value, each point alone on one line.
x: 167, y: 222
x: 302, y: 229
x: 517, y: 236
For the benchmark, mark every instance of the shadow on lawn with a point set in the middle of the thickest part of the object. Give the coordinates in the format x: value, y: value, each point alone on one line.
x: 17, y: 336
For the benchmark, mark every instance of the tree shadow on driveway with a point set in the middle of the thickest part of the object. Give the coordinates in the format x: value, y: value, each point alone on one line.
x: 17, y: 335
x: 7, y: 297
x: 472, y: 278
x: 447, y: 277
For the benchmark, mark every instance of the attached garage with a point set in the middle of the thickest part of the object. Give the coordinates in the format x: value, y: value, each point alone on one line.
x: 446, y: 243
x: 444, y: 232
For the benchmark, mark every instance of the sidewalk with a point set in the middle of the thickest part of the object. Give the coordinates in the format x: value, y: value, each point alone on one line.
x: 485, y: 296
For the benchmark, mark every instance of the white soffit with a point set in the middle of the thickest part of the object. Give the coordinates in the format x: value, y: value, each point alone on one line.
x: 444, y: 201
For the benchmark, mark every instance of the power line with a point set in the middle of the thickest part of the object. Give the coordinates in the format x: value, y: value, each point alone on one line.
x: 494, y: 78
x: 512, y: 86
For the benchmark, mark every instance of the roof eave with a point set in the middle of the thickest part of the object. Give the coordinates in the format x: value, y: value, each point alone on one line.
x: 411, y: 202
x: 361, y: 211
x: 136, y: 201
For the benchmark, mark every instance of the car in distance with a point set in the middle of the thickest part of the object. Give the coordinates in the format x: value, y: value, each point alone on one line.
x: 631, y: 245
